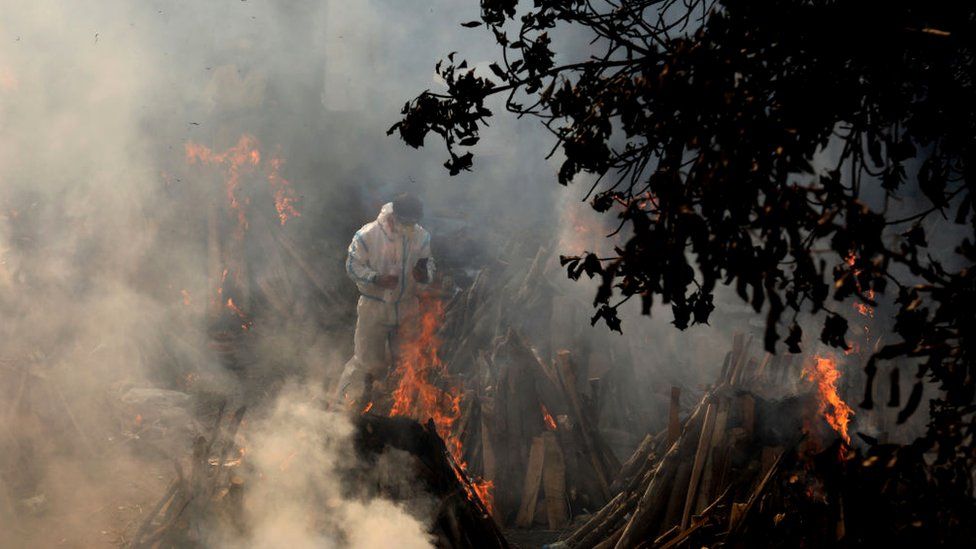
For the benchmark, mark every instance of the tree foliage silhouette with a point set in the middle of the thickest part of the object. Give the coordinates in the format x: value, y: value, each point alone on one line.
x: 735, y: 141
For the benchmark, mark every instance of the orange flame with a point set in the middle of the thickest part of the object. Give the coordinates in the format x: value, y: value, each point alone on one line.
x: 284, y: 195
x: 235, y: 160
x: 862, y: 308
x: 245, y: 323
x: 416, y: 395
x: 550, y: 423
x: 244, y: 158
x: 824, y: 372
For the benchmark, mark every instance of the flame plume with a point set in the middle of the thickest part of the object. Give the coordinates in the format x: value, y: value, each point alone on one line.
x: 244, y: 158
x: 824, y: 373
x: 417, y: 397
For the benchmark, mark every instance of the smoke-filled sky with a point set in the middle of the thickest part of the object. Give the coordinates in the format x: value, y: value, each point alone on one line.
x: 105, y: 271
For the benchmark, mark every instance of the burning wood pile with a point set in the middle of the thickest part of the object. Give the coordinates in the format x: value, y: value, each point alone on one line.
x: 752, y: 466
x: 523, y: 429
x: 462, y: 519
x: 720, y: 458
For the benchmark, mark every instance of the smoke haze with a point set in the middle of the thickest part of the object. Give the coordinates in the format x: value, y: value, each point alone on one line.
x: 117, y: 255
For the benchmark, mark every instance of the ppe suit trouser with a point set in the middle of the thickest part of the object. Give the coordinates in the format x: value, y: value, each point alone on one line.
x: 374, y: 333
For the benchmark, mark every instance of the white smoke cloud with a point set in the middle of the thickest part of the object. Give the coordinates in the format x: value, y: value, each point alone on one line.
x: 295, y: 495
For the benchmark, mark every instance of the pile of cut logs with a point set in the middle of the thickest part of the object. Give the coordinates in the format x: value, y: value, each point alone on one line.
x: 530, y: 415
x: 704, y: 473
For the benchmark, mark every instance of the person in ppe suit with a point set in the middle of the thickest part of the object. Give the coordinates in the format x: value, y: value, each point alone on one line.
x: 389, y: 260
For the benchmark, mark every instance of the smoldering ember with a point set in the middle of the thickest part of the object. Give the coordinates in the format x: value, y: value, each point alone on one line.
x: 452, y: 273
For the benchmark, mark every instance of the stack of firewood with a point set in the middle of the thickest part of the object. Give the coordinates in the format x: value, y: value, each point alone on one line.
x: 532, y: 413
x: 707, y: 470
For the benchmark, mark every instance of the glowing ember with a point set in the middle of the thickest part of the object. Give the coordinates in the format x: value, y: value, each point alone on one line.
x: 550, y: 423
x: 416, y: 396
x: 824, y: 372
x: 863, y: 309
x: 245, y: 324
x: 367, y: 408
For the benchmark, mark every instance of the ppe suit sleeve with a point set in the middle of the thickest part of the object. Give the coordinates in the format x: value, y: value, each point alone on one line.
x: 425, y: 253
x: 357, y: 262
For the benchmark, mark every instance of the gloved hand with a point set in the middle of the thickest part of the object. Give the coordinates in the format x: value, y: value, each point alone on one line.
x: 387, y: 281
x: 420, y: 273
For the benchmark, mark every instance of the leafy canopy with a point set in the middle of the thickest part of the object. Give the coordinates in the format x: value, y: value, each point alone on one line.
x: 739, y: 142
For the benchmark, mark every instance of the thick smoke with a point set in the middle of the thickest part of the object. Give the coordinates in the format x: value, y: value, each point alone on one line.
x: 113, y: 247
x: 296, y: 499
x: 107, y: 273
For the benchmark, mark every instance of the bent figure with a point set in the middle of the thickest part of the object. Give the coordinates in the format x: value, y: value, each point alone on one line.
x: 389, y: 260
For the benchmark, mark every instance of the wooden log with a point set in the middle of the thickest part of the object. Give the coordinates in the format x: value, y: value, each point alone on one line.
x: 738, y: 344
x: 489, y: 463
x: 674, y: 422
x: 554, y: 483
x: 601, y: 515
x: 610, y: 523
x: 704, y: 442
x: 147, y: 522
x: 735, y: 514
x: 768, y: 457
x: 748, y: 410
x: 533, y: 480
x: 678, y: 488
x: 634, y: 463
x: 726, y: 364
x: 567, y: 375
x: 738, y: 364
x: 610, y: 541
x: 761, y: 370
x: 707, y: 491
x: 664, y: 537
x: 736, y: 525
x: 652, y: 501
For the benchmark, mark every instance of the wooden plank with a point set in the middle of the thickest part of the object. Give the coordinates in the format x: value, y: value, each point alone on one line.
x: 761, y: 370
x: 707, y: 491
x: 704, y: 441
x: 489, y: 466
x: 574, y: 539
x: 533, y: 480
x: 554, y: 483
x: 676, y: 497
x: 768, y: 457
x: 748, y: 404
x: 593, y: 451
x: 651, y: 506
x: 634, y: 463
x: 736, y: 520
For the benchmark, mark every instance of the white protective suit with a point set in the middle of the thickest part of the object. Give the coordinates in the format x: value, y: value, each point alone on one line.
x: 382, y: 247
